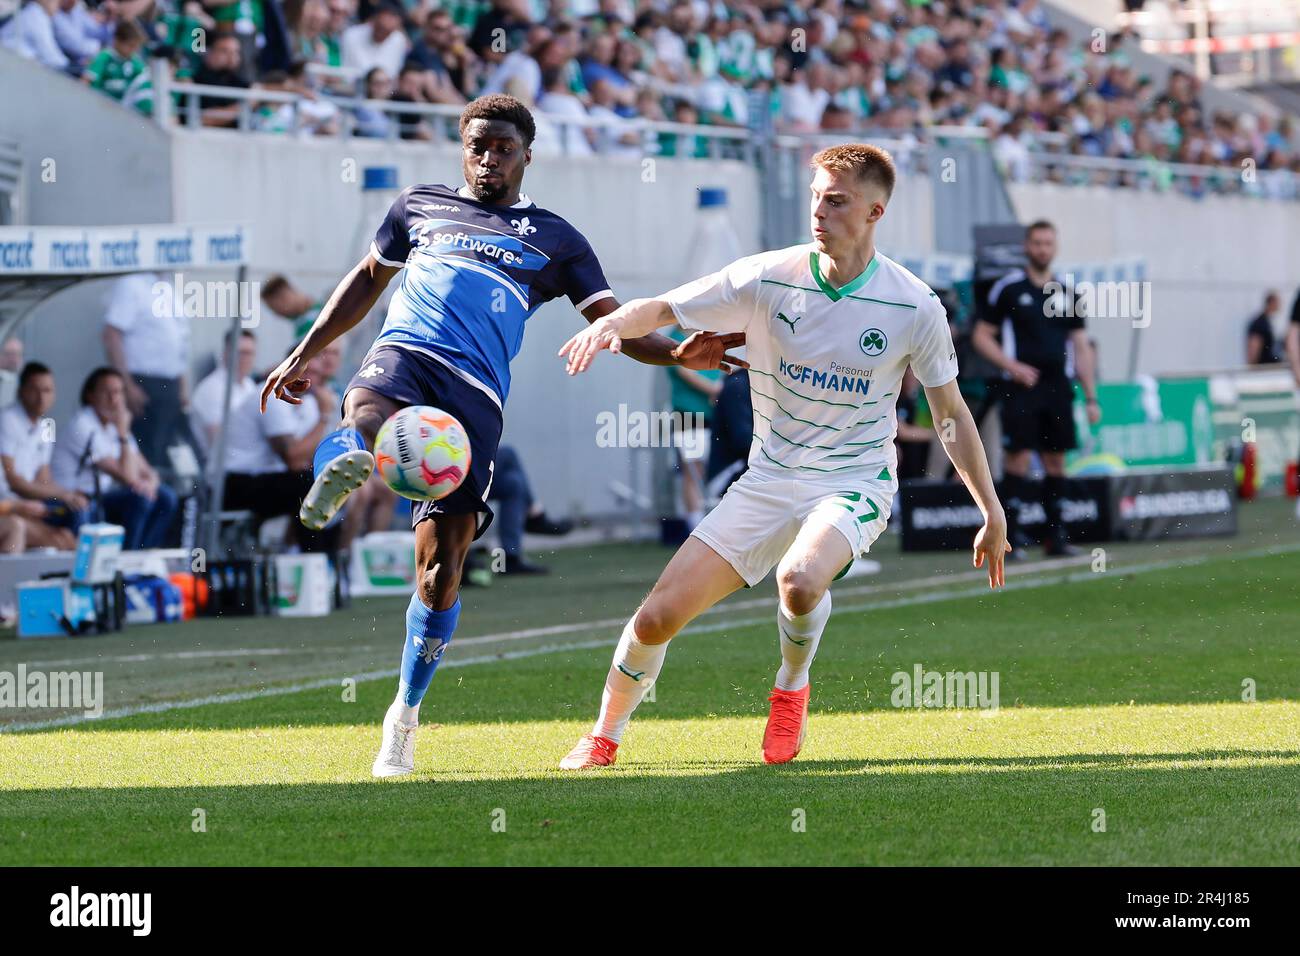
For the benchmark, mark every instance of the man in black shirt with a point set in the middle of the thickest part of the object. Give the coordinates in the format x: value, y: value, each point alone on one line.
x: 1043, y: 346
x: 1261, y: 343
x: 221, y: 67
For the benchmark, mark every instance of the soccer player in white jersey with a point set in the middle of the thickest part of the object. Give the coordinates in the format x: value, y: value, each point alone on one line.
x: 830, y: 327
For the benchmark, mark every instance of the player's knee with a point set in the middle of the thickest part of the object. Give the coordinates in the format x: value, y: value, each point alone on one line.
x: 655, y: 623
x: 800, y: 594
x: 365, y: 417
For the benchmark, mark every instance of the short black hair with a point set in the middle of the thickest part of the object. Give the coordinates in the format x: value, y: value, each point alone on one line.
x: 94, y: 378
x: 499, y: 106
x: 231, y: 336
x: 30, y: 371
x: 1036, y: 225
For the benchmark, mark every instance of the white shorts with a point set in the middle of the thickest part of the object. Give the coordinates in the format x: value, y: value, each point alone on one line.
x: 760, y: 516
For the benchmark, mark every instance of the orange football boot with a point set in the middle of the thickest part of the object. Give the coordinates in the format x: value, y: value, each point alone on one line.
x: 590, y: 751
x: 787, y: 723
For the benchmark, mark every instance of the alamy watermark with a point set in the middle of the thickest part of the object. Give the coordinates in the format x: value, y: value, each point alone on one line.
x: 1099, y: 300
x: 133, y: 911
x: 637, y: 429
x: 189, y: 298
x: 71, y: 690
x: 938, y: 689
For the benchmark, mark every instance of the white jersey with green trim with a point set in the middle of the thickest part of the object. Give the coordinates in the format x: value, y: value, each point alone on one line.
x: 825, y: 362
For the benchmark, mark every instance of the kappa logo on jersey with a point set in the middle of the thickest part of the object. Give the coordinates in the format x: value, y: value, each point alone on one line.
x: 874, y: 342
x: 428, y: 653
x: 789, y: 321
x: 523, y: 227
x: 370, y: 371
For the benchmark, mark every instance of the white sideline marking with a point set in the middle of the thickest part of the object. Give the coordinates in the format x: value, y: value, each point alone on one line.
x: 930, y: 598
x: 170, y: 655
x: 554, y: 629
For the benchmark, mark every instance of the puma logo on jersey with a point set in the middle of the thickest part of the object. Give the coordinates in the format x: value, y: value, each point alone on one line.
x: 370, y: 371
x: 791, y: 639
x: 789, y: 321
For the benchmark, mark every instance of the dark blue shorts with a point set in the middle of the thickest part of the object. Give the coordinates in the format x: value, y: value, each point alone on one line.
x: 412, y: 378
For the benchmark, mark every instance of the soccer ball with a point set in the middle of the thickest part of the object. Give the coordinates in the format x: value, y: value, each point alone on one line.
x: 422, y: 453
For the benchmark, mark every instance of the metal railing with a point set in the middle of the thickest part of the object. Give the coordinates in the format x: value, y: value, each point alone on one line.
x: 1153, y: 175
x: 781, y: 154
x: 253, y: 110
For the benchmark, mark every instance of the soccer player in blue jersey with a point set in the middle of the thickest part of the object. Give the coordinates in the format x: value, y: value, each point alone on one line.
x: 476, y: 262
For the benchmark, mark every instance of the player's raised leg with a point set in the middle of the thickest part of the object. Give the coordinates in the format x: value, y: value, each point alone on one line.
x: 343, y: 462
x: 695, y: 579
x: 804, y: 575
x: 441, y: 544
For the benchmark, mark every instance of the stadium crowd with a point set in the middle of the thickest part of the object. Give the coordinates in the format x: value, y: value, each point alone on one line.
x: 784, y: 65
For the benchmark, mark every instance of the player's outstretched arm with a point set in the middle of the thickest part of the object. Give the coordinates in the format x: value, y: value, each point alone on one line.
x: 700, y: 350
x: 350, y: 302
x: 961, y: 440
x: 629, y: 321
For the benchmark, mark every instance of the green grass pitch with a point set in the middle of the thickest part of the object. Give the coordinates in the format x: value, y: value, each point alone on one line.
x: 1121, y: 700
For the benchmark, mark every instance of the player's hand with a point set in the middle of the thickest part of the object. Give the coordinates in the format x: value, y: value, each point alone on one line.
x: 286, y: 382
x: 1023, y: 374
x: 136, y: 399
x: 595, y: 338
x: 991, y: 546
x: 1094, y: 412
x: 708, y: 350
x: 30, y: 509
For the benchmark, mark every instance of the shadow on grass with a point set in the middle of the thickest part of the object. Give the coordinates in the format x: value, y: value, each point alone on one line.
x: 843, y: 812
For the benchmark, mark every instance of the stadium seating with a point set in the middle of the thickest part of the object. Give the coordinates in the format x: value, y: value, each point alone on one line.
x: 1019, y: 72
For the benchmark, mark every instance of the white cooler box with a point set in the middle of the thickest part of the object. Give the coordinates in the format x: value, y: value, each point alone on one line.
x: 304, y: 585
x: 98, y: 548
x: 383, y: 563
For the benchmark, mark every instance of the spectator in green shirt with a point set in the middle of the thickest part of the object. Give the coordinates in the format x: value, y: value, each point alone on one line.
x: 287, y: 300
x: 115, y: 66
x: 243, y: 18
x: 182, y: 27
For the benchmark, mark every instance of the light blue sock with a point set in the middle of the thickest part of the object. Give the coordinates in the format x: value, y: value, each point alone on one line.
x: 428, y: 632
x: 334, y: 444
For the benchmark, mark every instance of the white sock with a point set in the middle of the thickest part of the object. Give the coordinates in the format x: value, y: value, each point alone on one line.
x: 636, y: 666
x: 400, y: 712
x: 806, y: 629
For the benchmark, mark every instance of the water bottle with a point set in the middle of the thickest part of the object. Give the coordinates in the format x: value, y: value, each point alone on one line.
x: 714, y: 244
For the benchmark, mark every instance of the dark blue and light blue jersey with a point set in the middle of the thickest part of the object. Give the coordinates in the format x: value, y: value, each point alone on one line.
x: 474, y: 273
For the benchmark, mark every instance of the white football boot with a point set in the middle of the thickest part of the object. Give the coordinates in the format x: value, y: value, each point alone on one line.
x: 397, y: 752
x: 342, y: 476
